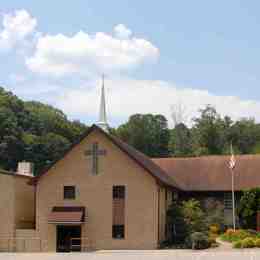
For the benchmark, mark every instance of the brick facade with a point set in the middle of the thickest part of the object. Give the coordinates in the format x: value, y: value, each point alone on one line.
x: 94, y: 192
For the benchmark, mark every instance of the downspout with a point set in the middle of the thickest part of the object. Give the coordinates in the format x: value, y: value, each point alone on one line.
x: 159, y: 216
x: 35, y: 190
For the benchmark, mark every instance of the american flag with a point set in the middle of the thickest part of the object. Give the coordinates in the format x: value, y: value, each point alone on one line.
x: 232, y: 161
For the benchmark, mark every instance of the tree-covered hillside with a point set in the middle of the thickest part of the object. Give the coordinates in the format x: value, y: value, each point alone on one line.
x: 210, y: 134
x: 39, y: 133
x: 33, y: 131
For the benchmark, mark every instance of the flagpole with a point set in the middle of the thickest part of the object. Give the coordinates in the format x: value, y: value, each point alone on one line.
x: 233, y: 200
x: 232, y: 167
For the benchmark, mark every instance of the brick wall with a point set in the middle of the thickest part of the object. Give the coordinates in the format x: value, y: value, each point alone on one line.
x: 95, y: 193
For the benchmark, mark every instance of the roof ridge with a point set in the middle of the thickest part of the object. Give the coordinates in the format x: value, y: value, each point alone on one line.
x: 204, y: 156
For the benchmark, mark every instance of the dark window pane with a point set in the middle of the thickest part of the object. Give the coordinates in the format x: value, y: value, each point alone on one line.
x: 228, y: 200
x: 118, y: 231
x: 69, y: 192
x: 174, y: 196
x: 118, y: 192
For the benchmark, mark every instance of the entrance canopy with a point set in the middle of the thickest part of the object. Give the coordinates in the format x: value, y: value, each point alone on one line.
x: 67, y: 215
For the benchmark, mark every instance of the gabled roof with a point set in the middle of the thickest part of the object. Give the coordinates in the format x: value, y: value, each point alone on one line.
x: 211, y: 173
x: 141, y: 159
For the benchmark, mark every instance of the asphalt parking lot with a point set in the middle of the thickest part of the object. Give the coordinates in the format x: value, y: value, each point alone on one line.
x: 140, y: 255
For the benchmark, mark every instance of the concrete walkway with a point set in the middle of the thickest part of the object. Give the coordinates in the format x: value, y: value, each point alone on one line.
x: 223, y: 246
x: 252, y: 254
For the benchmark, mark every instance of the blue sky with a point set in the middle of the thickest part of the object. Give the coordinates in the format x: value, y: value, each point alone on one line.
x: 195, y: 52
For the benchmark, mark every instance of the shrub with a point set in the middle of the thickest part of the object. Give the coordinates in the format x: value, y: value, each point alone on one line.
x: 252, y: 232
x: 230, y: 232
x: 231, y: 236
x: 199, y: 240
x: 214, y: 214
x: 214, y: 229
x: 188, y: 242
x: 257, y: 242
x: 193, y: 216
x: 248, y: 242
x: 238, y: 244
x: 248, y: 206
x: 241, y: 234
x: 176, y: 224
x: 212, y: 238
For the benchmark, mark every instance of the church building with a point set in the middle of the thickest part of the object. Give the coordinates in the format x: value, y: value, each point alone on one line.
x: 104, y: 194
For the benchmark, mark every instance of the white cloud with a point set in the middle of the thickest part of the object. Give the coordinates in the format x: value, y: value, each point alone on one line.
x: 121, y: 31
x: 83, y: 53
x: 16, y: 28
x: 61, y: 55
x: 126, y: 97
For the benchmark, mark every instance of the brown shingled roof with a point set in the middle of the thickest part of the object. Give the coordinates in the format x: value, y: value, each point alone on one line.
x: 211, y: 173
x: 141, y: 159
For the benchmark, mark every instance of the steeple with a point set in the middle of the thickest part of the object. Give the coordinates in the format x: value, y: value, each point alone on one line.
x: 102, y: 121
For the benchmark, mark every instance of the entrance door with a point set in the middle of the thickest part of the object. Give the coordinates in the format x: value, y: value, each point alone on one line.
x: 68, y: 238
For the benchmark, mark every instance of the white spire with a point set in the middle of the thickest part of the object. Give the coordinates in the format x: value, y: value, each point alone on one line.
x: 102, y: 121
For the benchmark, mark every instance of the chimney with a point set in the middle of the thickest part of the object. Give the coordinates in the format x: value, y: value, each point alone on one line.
x: 25, y: 168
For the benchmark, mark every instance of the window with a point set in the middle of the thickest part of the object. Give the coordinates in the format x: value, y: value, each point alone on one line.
x: 118, y: 224
x: 228, y: 200
x: 174, y: 196
x: 118, y: 231
x: 118, y: 192
x: 69, y: 192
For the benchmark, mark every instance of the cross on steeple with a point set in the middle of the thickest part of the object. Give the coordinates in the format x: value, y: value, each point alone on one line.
x: 95, y: 153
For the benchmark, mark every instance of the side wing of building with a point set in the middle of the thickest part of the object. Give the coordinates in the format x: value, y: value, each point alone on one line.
x: 7, y: 202
x: 16, y: 207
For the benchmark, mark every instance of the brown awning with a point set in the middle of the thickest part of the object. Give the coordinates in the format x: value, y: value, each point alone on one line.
x: 67, y: 215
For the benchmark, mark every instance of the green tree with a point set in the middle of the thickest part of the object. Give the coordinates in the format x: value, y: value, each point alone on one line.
x: 43, y: 150
x: 208, y: 132
x: 183, y: 219
x: 33, y: 131
x: 245, y: 134
x: 193, y: 216
x: 248, y: 206
x: 147, y: 133
x: 180, y: 141
x: 176, y: 225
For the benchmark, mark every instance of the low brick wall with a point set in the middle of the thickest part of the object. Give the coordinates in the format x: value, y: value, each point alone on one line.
x: 27, y: 240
